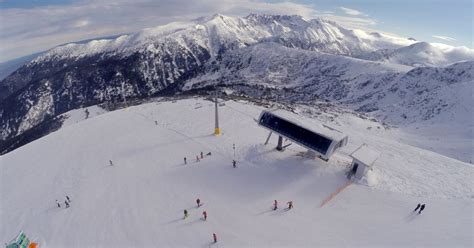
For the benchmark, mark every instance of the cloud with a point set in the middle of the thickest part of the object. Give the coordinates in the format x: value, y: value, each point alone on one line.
x: 353, y: 12
x: 445, y: 38
x: 352, y: 21
x: 81, y: 23
x: 26, y: 31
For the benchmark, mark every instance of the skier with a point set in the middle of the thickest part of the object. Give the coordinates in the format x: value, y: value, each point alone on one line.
x: 290, y: 205
x: 185, y: 214
x: 208, y: 154
x: 67, y: 204
x: 205, y: 215
x: 197, y: 158
x: 68, y: 200
x: 421, y: 208
x: 110, y: 162
x: 59, y: 205
x: 275, y: 205
x: 234, y: 164
x: 87, y: 113
x: 417, y: 207
x: 185, y: 160
x: 202, y: 155
x: 215, y: 237
x: 198, y: 201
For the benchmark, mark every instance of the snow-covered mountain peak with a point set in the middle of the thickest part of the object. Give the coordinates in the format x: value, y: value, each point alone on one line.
x: 376, y: 34
x: 220, y: 32
x: 268, y: 19
x: 420, y: 46
x: 212, y: 32
x: 149, y: 34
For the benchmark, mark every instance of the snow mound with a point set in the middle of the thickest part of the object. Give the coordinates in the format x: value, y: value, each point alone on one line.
x: 370, y: 179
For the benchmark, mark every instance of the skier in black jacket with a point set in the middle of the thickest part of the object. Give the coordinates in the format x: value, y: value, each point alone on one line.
x: 421, y: 208
x: 185, y: 214
x: 417, y: 207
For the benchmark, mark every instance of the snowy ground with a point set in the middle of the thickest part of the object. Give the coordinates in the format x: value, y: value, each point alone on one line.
x: 139, y: 201
x: 451, y: 139
x: 78, y: 115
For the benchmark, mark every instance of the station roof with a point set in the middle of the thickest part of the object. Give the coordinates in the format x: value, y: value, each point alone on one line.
x: 313, y: 126
x: 366, y: 155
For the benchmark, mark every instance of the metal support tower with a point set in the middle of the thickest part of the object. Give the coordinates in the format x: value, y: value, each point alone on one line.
x: 217, y: 130
x: 280, y: 144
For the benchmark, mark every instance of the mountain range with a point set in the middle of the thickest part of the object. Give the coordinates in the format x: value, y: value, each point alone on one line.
x: 289, y: 58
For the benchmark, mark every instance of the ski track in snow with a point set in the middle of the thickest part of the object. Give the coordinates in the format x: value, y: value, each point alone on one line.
x: 139, y: 201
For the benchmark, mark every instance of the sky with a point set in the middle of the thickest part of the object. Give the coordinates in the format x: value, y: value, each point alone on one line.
x: 32, y: 26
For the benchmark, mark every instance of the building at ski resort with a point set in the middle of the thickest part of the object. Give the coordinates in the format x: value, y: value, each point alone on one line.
x: 21, y: 241
x: 321, y: 140
x: 363, y: 159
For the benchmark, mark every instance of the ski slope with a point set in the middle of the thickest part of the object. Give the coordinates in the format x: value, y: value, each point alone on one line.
x: 139, y: 201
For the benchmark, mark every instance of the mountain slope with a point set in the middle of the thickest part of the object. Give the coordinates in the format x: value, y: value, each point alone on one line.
x: 394, y: 93
x: 162, y: 60
x: 140, y: 200
x: 7, y: 67
x: 143, y: 64
x: 422, y: 54
x: 215, y: 35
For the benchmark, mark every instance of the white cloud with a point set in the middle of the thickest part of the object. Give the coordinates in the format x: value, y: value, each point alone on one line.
x: 446, y: 38
x: 26, y: 31
x: 354, y: 12
x: 352, y: 21
x: 81, y: 23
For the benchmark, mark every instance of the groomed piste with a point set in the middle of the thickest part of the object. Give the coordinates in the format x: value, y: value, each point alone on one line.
x: 139, y: 200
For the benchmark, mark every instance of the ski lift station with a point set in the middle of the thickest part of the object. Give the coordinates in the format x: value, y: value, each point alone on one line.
x: 321, y: 140
x: 363, y: 159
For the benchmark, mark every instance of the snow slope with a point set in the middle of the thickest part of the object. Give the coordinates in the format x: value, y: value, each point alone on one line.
x: 422, y: 54
x: 275, y: 66
x: 78, y: 115
x: 139, y: 201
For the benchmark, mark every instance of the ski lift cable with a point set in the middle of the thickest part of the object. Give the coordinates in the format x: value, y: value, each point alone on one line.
x: 215, y: 148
